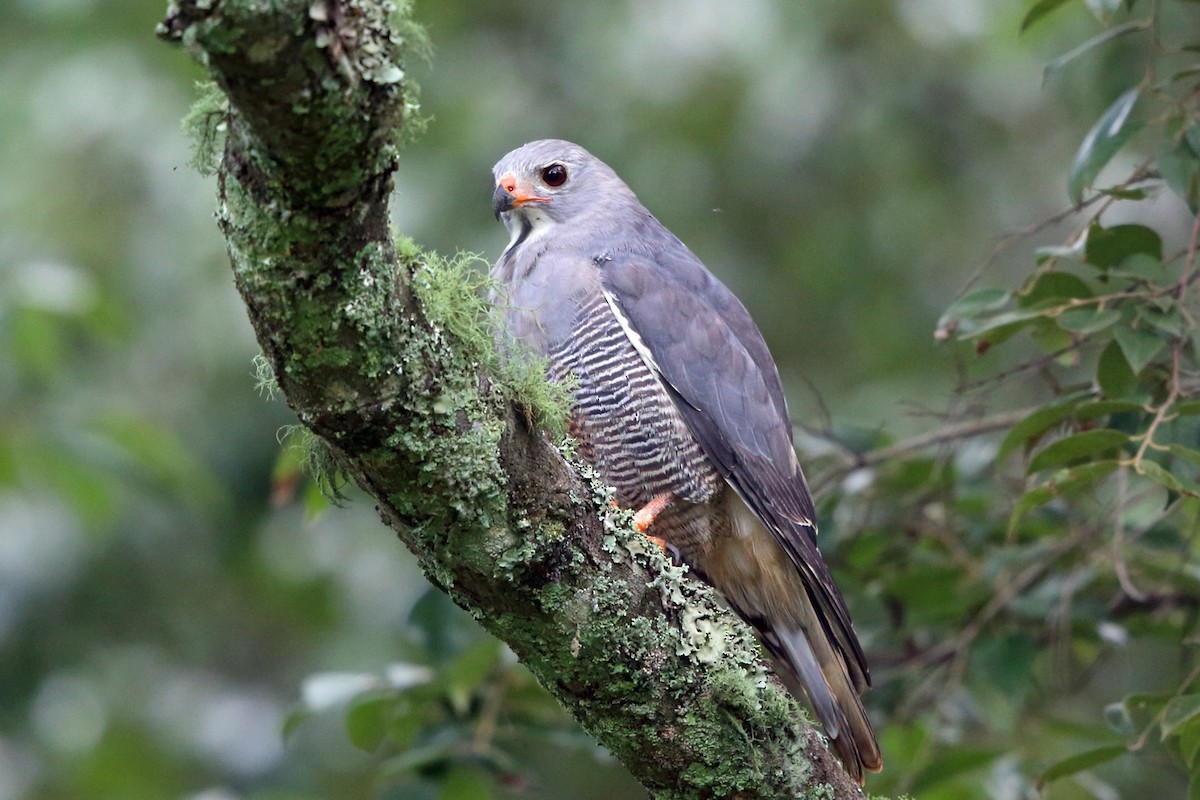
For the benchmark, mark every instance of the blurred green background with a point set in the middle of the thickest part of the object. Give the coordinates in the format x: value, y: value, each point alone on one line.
x: 845, y: 167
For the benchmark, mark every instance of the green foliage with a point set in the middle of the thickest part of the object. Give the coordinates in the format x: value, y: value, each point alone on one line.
x: 1082, y: 522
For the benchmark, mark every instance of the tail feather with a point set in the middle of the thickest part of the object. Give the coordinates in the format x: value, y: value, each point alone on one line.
x: 801, y: 618
x: 822, y: 676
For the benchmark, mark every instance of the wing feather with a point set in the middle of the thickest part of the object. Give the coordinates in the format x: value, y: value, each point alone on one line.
x: 732, y: 400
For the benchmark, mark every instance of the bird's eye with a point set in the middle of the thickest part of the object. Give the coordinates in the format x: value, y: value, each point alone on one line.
x: 554, y: 175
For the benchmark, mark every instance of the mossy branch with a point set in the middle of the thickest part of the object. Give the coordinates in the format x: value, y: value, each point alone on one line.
x: 379, y: 350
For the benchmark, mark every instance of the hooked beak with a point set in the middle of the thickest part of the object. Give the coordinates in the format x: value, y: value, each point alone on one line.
x: 502, y: 200
x: 509, y: 195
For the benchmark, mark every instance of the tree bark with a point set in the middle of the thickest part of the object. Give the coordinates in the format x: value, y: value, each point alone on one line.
x: 641, y: 654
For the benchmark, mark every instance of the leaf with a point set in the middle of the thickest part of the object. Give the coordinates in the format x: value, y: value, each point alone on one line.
x: 1062, y: 484
x: 1139, y: 346
x: 1189, y: 743
x: 1179, y: 711
x: 1090, y: 44
x: 1107, y: 136
x: 1081, y: 761
x: 1170, y: 322
x: 1054, y: 288
x: 1142, y: 267
x: 1034, y: 425
x: 293, y: 720
x: 956, y: 762
x: 1078, y: 446
x: 1003, y: 325
x: 1186, y: 453
x: 976, y: 302
x: 1052, y: 339
x: 469, y: 670
x: 1103, y: 9
x: 1116, y: 379
x: 1124, y: 194
x: 367, y: 718
x: 1044, y: 254
x: 1109, y: 247
x: 1104, y: 408
x: 1159, y: 474
x: 464, y: 784
x: 1088, y: 320
x: 1040, y: 10
x: 1181, y: 170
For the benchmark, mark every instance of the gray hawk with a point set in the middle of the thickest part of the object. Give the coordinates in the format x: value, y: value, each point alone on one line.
x: 678, y: 405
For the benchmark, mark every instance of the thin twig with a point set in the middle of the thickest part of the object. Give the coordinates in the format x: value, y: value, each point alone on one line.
x: 944, y: 435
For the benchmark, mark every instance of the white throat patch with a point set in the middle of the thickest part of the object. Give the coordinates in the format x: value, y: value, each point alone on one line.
x: 539, y: 223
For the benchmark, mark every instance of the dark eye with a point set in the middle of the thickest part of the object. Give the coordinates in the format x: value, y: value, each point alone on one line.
x: 554, y: 175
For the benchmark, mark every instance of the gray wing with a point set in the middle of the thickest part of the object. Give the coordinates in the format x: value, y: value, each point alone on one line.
x: 711, y: 356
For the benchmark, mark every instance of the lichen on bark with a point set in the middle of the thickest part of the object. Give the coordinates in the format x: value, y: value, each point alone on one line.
x: 391, y: 368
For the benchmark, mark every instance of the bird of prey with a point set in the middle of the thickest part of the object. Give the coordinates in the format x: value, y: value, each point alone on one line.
x: 679, y: 406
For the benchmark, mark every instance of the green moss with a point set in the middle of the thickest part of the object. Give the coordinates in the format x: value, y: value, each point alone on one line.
x: 204, y: 124
x: 453, y: 294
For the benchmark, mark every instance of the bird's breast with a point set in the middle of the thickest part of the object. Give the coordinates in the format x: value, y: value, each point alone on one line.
x: 628, y: 426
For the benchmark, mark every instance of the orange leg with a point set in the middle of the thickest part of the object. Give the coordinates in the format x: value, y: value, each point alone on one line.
x: 645, y: 516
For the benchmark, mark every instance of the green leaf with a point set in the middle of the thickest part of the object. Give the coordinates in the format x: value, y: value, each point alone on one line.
x: 1002, y: 325
x: 1159, y: 474
x: 1124, y: 194
x: 1062, y: 484
x: 1189, y: 743
x: 1170, y: 322
x: 1116, y: 379
x: 1188, y: 409
x: 1139, y: 346
x: 294, y: 718
x: 1107, y: 136
x: 1077, y: 446
x: 1081, y: 761
x: 1053, y: 339
x: 1181, y: 170
x: 1103, y: 9
x: 1088, y: 320
x: 1044, y: 254
x: 1186, y: 453
x: 1091, y: 44
x: 956, y: 762
x: 976, y: 302
x: 464, y: 784
x: 1109, y: 247
x: 1104, y: 408
x: 1040, y: 10
x: 1180, y: 711
x: 158, y: 456
x: 469, y: 670
x: 367, y: 718
x: 1027, y: 431
x: 1053, y: 288
x: 1143, y: 267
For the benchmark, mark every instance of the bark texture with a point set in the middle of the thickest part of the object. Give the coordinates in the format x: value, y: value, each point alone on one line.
x: 641, y: 654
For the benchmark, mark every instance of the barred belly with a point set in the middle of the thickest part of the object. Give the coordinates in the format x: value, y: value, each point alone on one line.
x: 630, y: 431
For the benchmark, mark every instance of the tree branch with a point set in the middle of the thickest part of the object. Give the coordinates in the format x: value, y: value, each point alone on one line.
x: 643, y: 656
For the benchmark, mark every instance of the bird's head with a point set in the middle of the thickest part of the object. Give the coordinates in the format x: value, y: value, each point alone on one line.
x: 547, y: 182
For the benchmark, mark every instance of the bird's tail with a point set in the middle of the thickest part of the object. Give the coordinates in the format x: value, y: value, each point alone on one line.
x: 812, y: 665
